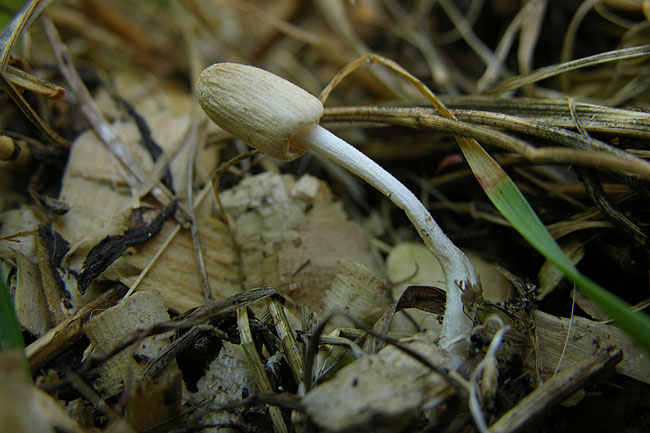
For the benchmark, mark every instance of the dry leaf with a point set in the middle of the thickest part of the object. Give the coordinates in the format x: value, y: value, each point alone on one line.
x: 380, y: 392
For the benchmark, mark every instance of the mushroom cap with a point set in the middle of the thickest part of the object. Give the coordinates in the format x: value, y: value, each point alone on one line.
x: 259, y: 107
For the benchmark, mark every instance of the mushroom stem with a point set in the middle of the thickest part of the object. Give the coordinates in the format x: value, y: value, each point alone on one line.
x: 455, y: 265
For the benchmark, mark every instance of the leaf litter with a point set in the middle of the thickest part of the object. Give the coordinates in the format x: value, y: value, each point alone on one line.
x: 100, y: 186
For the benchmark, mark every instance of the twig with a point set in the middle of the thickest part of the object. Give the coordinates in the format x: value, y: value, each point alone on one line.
x: 59, y: 338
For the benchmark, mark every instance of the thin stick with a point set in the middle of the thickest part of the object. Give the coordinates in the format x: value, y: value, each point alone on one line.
x: 153, y: 260
x: 194, y: 229
x: 57, y: 339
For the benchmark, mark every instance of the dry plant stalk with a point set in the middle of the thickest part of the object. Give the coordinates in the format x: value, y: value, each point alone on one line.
x: 57, y: 339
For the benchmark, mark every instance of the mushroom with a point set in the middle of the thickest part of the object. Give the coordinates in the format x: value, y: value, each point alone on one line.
x: 281, y: 119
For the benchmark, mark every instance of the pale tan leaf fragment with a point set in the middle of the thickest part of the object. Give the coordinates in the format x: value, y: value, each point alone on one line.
x: 227, y: 380
x: 31, y: 305
x: 25, y: 408
x: 587, y: 336
x: 354, y: 291
x: 174, y: 274
x: 382, y: 391
x: 106, y: 330
x: 291, y: 235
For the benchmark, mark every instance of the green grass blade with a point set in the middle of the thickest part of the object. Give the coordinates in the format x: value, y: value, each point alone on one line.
x: 11, y: 336
x: 507, y: 198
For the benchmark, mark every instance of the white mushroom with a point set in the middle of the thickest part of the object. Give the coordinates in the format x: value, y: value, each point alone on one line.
x: 281, y: 119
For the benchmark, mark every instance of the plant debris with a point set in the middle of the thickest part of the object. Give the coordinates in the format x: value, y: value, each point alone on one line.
x: 167, y: 279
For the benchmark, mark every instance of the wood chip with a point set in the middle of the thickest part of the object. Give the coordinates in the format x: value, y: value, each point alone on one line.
x: 107, y: 329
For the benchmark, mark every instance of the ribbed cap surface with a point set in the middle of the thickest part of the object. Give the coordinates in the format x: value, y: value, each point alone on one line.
x: 259, y: 107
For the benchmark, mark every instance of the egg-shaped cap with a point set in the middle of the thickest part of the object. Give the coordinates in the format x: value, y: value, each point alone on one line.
x: 259, y: 107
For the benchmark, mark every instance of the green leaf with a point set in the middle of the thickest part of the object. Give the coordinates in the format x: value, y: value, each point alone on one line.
x: 507, y: 198
x: 11, y: 336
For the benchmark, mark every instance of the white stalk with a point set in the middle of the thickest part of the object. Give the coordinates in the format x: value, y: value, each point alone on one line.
x: 455, y: 264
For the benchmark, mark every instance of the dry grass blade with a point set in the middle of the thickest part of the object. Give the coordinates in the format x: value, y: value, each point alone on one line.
x: 133, y: 172
x: 405, y: 28
x: 311, y: 38
x: 9, y: 37
x: 553, y: 70
x: 12, y: 32
x: 33, y: 84
x: 337, y: 17
x: 422, y: 118
x: 569, y: 37
x: 29, y: 112
x: 517, y: 24
x: 255, y: 364
x: 594, y: 118
x: 292, y: 351
x: 484, y: 53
